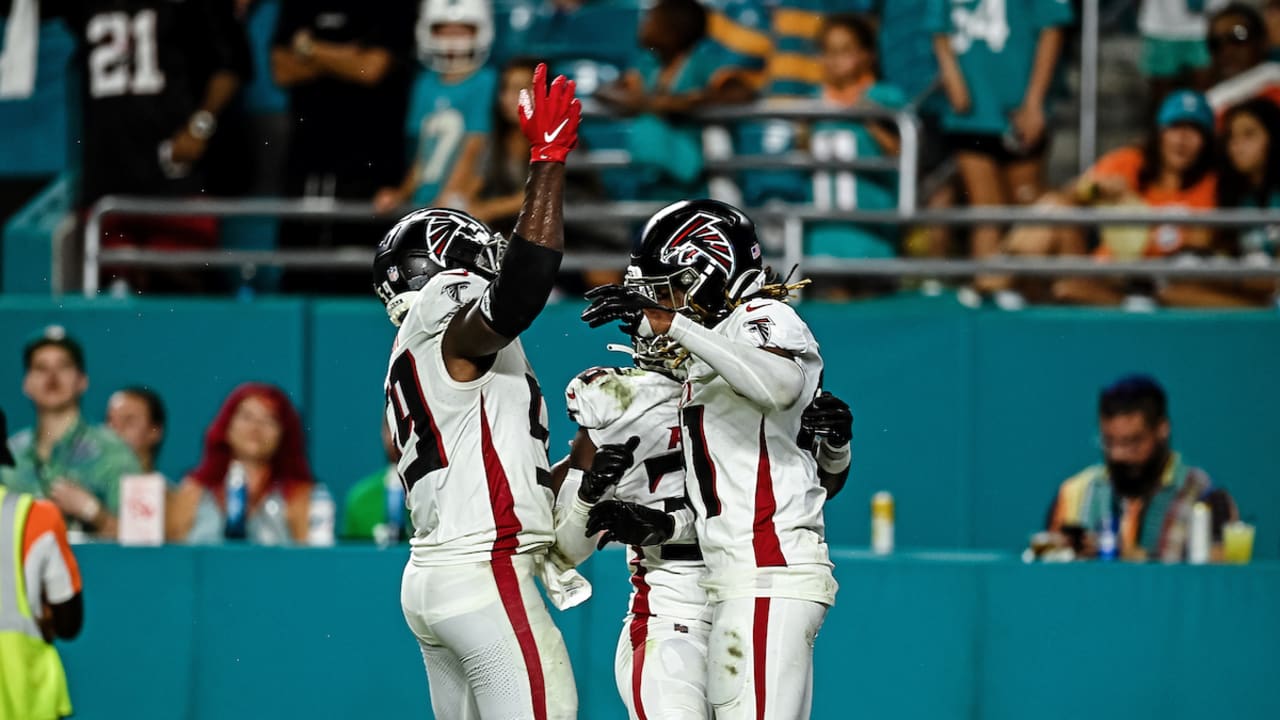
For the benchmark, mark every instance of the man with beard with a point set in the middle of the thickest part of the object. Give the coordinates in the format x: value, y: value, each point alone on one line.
x: 1143, y: 488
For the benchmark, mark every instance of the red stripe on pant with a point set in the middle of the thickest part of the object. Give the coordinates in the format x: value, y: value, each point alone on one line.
x: 506, y: 531
x: 504, y: 573
x: 760, y: 651
x: 639, y: 633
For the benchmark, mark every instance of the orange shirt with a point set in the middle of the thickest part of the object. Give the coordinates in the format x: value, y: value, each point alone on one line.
x: 1125, y: 164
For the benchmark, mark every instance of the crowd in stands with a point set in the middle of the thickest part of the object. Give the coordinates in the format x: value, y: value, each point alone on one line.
x: 256, y: 436
x: 403, y: 103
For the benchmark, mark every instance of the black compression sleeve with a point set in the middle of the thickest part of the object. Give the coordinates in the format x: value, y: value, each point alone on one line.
x: 522, y: 287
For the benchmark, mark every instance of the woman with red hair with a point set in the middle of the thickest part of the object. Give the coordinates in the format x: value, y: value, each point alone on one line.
x: 258, y: 428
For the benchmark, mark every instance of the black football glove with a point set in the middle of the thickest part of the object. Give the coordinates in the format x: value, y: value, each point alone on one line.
x: 829, y: 418
x: 620, y: 303
x: 610, y: 464
x: 629, y: 523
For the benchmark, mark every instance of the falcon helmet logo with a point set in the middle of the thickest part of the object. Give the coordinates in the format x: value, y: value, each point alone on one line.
x: 762, y: 327
x: 442, y: 227
x: 700, y: 237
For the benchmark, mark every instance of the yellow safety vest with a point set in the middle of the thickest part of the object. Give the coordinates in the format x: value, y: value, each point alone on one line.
x: 33, y: 685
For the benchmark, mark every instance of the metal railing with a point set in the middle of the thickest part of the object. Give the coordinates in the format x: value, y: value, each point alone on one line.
x: 907, y: 162
x: 792, y: 219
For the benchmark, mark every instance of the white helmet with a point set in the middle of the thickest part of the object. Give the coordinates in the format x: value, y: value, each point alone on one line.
x: 454, y: 55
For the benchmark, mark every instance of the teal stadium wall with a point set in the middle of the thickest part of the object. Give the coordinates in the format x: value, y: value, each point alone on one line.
x: 225, y: 633
x: 970, y: 419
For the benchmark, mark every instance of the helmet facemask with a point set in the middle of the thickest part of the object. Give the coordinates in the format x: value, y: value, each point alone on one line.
x: 698, y: 295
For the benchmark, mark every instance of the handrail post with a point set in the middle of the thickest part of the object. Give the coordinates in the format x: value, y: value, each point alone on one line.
x: 1088, y: 84
x: 93, y: 245
x: 792, y: 241
x: 908, y: 161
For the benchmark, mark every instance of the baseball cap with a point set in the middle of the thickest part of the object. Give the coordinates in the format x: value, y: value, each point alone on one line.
x: 1185, y: 106
x: 54, y: 336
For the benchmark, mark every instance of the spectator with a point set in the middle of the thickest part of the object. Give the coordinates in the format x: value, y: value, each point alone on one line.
x: 375, y: 507
x: 1174, y: 52
x: 136, y: 415
x: 258, y: 428
x: 496, y: 199
x: 346, y: 65
x: 33, y: 684
x: 996, y: 69
x: 1249, y: 178
x: 850, y: 79
x: 1250, y: 175
x: 674, y: 75
x: 1142, y: 488
x: 76, y: 465
x: 1174, y: 169
x: 1238, y: 44
x: 156, y: 78
x: 448, y: 118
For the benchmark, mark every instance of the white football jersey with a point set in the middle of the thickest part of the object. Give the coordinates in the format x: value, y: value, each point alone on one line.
x: 613, y: 404
x: 756, y: 492
x: 474, y: 459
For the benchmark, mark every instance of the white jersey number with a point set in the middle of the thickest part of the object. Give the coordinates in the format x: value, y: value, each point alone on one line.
x: 703, y: 469
x: 415, y: 423
x: 988, y: 22
x: 122, y: 43
x: 441, y: 133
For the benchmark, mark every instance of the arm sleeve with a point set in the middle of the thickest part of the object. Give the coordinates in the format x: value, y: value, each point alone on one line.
x: 570, y: 516
x: 683, y: 532
x: 768, y: 380
x: 45, y: 544
x: 937, y: 20
x: 1124, y: 163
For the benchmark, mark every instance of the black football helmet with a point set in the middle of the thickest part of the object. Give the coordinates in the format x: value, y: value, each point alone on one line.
x: 707, y: 250
x: 426, y: 242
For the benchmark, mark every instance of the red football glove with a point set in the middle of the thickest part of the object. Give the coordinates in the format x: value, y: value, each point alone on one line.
x: 549, y: 117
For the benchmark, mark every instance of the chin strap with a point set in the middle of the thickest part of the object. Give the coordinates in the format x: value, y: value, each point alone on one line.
x: 399, y: 306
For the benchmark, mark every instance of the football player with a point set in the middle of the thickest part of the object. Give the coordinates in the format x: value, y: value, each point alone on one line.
x: 470, y: 424
x: 698, y: 279
x: 628, y: 447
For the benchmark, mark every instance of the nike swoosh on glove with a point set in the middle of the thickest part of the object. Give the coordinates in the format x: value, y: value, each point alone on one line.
x: 549, y: 117
x: 629, y: 523
x: 623, y: 304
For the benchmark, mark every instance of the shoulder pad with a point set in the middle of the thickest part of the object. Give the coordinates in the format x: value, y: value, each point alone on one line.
x: 599, y: 396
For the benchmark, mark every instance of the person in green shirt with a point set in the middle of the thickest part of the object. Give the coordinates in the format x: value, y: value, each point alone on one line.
x: 63, y: 458
x: 374, y: 508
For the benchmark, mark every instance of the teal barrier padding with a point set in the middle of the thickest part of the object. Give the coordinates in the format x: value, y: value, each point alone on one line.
x: 192, y: 352
x: 26, y: 253
x: 970, y: 419
x: 201, y: 633
x: 1115, y: 641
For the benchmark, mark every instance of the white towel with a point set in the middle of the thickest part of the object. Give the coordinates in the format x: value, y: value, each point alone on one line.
x: 21, y: 43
